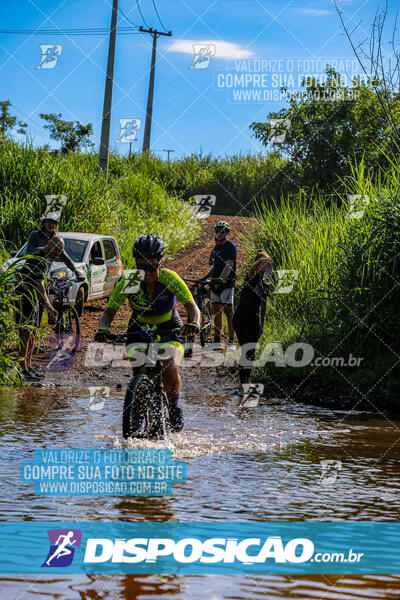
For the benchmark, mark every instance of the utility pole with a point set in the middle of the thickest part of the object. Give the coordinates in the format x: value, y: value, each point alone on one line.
x: 168, y: 151
x: 130, y: 148
x: 149, y: 110
x: 105, y: 126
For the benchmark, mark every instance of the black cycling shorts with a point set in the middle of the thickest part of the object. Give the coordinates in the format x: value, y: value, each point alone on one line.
x: 162, y: 329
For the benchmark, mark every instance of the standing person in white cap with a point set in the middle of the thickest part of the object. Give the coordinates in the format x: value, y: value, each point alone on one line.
x: 38, y: 239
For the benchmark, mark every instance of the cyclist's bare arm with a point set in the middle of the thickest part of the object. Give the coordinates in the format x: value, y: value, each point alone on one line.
x: 192, y: 312
x: 41, y: 289
x: 107, y: 317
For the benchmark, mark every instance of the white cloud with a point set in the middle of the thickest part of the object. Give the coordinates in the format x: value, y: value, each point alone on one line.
x: 224, y: 50
x: 316, y: 12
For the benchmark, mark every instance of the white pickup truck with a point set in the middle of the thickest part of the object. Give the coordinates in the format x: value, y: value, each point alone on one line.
x: 95, y: 256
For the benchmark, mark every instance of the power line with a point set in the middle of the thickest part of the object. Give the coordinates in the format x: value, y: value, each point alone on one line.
x: 158, y: 16
x: 126, y: 18
x: 141, y: 14
x: 80, y: 31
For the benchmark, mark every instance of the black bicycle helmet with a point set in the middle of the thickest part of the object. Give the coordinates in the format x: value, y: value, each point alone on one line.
x: 148, y: 246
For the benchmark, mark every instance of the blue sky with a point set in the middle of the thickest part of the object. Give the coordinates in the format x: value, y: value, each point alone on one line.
x: 195, y: 109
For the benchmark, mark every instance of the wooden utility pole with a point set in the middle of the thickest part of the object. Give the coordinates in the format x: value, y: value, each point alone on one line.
x: 168, y: 151
x: 149, y: 110
x: 105, y: 126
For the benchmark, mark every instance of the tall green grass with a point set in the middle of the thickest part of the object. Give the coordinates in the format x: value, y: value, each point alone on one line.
x: 238, y: 182
x: 367, y: 297
x: 301, y: 234
x: 124, y: 204
x: 10, y: 368
x: 347, y: 295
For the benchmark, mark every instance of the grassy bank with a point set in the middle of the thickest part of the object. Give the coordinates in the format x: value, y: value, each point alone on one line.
x: 346, y: 298
x: 125, y: 204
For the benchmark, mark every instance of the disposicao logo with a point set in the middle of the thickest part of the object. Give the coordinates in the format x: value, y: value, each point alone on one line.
x: 62, y: 547
x: 190, y: 550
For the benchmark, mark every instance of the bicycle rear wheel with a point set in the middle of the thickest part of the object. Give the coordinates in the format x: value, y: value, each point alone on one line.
x: 141, y: 417
x: 206, y: 322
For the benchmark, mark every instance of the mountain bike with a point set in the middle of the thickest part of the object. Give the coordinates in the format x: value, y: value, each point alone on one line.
x: 66, y: 326
x: 201, y: 294
x: 146, y: 412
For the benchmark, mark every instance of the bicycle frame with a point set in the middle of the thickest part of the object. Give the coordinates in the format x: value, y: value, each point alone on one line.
x: 60, y: 293
x: 201, y: 292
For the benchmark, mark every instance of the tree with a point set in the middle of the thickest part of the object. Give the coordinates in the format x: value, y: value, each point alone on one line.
x: 382, y: 69
x: 73, y: 136
x: 8, y: 121
x: 326, y: 127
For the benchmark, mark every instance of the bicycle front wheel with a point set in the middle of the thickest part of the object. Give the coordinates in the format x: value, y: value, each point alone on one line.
x: 67, y: 328
x: 138, y: 417
x: 206, y: 322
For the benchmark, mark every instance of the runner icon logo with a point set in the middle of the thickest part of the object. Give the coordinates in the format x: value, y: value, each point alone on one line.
x: 55, y: 203
x: 330, y: 471
x: 61, y: 551
x: 50, y: 55
x: 202, y: 205
x: 97, y: 397
x: 202, y: 55
x: 128, y: 130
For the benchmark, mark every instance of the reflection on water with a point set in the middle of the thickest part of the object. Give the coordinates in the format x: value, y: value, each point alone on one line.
x: 260, y: 464
x: 202, y: 587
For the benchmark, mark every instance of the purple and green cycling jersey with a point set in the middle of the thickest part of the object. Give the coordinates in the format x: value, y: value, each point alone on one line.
x: 160, y: 309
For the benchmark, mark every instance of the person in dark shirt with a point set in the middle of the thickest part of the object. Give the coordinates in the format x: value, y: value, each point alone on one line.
x: 38, y: 239
x: 31, y: 291
x: 249, y: 317
x: 223, y: 272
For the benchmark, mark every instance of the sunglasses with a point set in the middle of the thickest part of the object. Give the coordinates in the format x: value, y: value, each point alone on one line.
x: 221, y: 230
x: 148, y: 267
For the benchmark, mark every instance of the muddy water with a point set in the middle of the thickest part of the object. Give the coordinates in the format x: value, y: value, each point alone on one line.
x: 260, y: 464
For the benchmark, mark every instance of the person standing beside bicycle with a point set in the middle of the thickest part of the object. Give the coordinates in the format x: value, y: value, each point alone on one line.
x: 38, y: 239
x: 249, y: 317
x: 223, y: 273
x: 33, y: 297
x: 153, y: 305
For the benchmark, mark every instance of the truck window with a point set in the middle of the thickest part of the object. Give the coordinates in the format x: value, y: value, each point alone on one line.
x: 96, y: 251
x: 109, y: 249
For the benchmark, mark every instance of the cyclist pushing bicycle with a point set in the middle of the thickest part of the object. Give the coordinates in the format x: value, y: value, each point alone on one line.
x: 154, y: 305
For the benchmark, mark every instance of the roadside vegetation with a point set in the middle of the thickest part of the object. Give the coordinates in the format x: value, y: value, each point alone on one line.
x: 335, y: 241
x: 124, y: 205
x: 344, y: 265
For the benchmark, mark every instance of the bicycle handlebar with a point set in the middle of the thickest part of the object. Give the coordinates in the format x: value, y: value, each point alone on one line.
x: 121, y: 338
x: 198, y: 281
